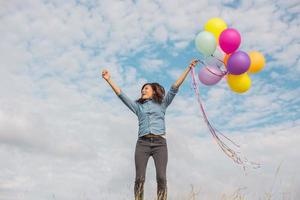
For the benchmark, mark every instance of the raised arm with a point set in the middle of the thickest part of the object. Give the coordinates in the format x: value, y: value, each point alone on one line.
x: 106, y: 76
x: 174, y: 88
x: 124, y: 98
x: 184, y: 74
x: 170, y: 96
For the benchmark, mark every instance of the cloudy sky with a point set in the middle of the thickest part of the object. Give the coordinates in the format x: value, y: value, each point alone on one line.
x: 65, y: 135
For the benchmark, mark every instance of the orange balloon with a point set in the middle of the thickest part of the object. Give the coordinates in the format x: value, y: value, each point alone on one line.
x: 257, y: 61
x: 226, y: 59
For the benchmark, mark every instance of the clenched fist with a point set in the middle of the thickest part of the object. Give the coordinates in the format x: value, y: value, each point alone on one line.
x: 105, y: 74
x: 193, y: 63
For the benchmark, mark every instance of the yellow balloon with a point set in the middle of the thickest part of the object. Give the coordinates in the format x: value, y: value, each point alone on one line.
x: 215, y: 26
x: 239, y: 83
x: 257, y: 61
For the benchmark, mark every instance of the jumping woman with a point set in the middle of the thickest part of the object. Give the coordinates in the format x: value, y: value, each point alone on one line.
x: 150, y: 109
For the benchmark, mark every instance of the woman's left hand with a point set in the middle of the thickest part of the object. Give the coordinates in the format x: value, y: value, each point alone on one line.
x: 193, y: 63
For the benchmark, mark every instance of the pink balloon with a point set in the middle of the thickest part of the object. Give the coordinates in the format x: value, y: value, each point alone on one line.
x: 210, y: 75
x: 230, y: 40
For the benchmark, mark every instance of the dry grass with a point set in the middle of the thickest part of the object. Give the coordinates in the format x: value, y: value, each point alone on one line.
x: 238, y: 195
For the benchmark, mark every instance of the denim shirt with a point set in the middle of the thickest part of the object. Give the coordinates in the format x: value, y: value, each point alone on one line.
x: 151, y: 115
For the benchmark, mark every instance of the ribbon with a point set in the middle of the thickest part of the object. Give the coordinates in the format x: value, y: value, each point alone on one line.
x: 219, y: 137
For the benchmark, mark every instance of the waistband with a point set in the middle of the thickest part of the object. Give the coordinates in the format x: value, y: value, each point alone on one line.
x: 152, y: 136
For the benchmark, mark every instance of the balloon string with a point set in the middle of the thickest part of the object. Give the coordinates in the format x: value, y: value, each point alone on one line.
x: 220, y: 75
x: 234, y: 155
x: 217, y: 58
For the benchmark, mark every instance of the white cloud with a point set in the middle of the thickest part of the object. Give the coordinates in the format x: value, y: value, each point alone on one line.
x: 160, y: 34
x: 66, y: 135
x: 174, y: 73
x: 152, y: 65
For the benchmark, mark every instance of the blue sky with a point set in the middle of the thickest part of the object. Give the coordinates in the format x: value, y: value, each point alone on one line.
x: 65, y: 135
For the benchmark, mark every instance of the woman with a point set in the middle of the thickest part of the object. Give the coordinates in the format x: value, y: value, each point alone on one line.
x: 150, y: 109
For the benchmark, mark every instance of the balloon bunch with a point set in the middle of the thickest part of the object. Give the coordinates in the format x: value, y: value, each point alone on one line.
x: 219, y: 46
x: 223, y: 43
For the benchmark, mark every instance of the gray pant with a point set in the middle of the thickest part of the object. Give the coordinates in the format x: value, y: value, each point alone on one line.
x: 157, y: 148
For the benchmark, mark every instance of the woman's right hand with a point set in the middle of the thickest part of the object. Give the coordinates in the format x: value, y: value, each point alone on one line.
x: 105, y: 74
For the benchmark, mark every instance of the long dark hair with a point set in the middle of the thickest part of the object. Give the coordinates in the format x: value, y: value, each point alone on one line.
x: 158, y: 93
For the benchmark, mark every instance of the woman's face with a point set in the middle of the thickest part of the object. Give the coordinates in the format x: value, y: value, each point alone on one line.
x: 147, y: 92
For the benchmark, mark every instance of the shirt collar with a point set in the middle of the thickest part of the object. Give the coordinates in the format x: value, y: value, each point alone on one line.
x: 150, y: 99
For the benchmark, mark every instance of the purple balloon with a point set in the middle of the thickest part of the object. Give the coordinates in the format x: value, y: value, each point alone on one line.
x: 238, y: 63
x: 210, y: 75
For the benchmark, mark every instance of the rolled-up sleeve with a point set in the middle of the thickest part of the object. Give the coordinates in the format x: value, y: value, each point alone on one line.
x: 128, y: 102
x: 170, y: 96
